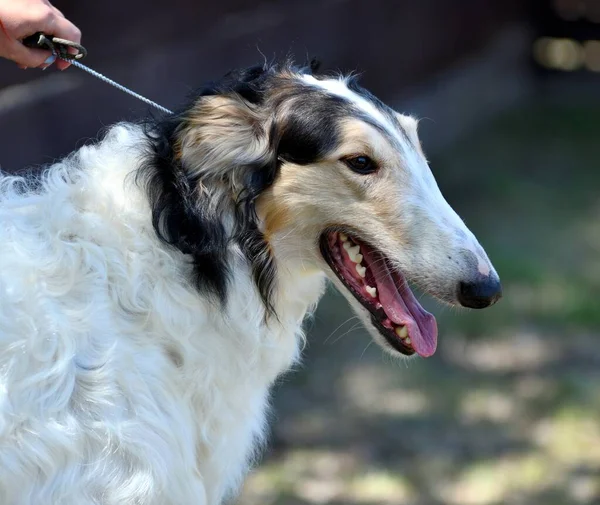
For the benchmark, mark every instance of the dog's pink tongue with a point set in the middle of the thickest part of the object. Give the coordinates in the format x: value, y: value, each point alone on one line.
x: 401, y: 306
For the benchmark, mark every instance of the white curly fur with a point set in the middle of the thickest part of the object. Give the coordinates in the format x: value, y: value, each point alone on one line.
x: 119, y: 384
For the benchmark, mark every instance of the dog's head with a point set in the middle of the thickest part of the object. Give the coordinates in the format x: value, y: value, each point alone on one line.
x: 318, y: 172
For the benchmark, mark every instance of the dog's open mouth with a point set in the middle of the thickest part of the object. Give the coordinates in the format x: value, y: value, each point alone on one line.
x: 383, y: 291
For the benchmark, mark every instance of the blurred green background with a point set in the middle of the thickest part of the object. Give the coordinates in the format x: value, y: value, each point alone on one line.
x: 507, y: 412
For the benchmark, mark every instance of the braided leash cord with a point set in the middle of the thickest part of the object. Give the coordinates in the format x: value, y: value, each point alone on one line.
x: 120, y: 87
x: 62, y: 49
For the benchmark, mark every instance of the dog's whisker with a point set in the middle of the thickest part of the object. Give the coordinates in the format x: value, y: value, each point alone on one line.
x: 345, y: 333
x: 365, y: 349
x: 352, y: 318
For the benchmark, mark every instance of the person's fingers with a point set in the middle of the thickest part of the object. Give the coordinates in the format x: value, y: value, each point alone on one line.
x: 62, y: 28
x: 48, y: 61
x: 46, y: 19
x: 58, y: 12
x: 29, y: 57
x: 62, y: 64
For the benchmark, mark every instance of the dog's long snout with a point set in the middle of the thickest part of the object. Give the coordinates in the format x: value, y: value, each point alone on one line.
x: 483, y: 292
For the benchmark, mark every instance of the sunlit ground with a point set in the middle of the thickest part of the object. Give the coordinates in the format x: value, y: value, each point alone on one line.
x: 508, y: 410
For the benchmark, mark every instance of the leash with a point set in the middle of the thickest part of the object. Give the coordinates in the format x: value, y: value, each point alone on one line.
x: 60, y: 49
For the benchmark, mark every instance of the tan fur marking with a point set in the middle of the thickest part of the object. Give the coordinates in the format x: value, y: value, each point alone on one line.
x: 274, y: 215
x: 177, y: 150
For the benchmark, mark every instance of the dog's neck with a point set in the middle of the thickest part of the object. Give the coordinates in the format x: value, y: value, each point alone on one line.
x: 297, y: 285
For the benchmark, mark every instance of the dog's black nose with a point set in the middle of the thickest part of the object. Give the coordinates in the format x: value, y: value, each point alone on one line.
x: 480, y: 294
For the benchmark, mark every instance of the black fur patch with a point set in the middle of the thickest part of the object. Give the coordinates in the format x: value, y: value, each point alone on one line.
x: 178, y: 217
x: 311, y: 129
x: 248, y: 83
x: 248, y: 235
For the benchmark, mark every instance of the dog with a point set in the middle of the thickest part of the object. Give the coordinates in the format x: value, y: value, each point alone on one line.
x: 154, y: 284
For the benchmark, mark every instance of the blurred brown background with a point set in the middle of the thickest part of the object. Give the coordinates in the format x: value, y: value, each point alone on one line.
x: 165, y: 49
x: 508, y: 410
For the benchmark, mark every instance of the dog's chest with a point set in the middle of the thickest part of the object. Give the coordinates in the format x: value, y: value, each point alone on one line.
x: 231, y: 404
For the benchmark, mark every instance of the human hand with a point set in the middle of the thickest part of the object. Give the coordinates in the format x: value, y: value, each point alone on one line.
x: 21, y: 18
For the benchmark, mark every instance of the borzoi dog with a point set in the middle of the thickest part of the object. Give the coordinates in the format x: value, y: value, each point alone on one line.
x: 153, y: 285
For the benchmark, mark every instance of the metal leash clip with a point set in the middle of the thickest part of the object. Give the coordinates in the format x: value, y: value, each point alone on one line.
x: 59, y: 47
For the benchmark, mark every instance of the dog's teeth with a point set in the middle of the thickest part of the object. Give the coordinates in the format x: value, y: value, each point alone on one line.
x: 346, y: 245
x: 353, y: 252
x: 358, y: 258
x: 361, y: 270
x: 402, y: 331
x: 407, y: 341
x: 372, y: 291
x: 343, y: 237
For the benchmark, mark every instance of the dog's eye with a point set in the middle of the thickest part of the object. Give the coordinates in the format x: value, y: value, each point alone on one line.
x: 361, y: 164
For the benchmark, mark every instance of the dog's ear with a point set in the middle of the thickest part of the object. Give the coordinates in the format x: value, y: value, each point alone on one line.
x: 225, y: 151
x: 220, y: 136
x: 218, y: 164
